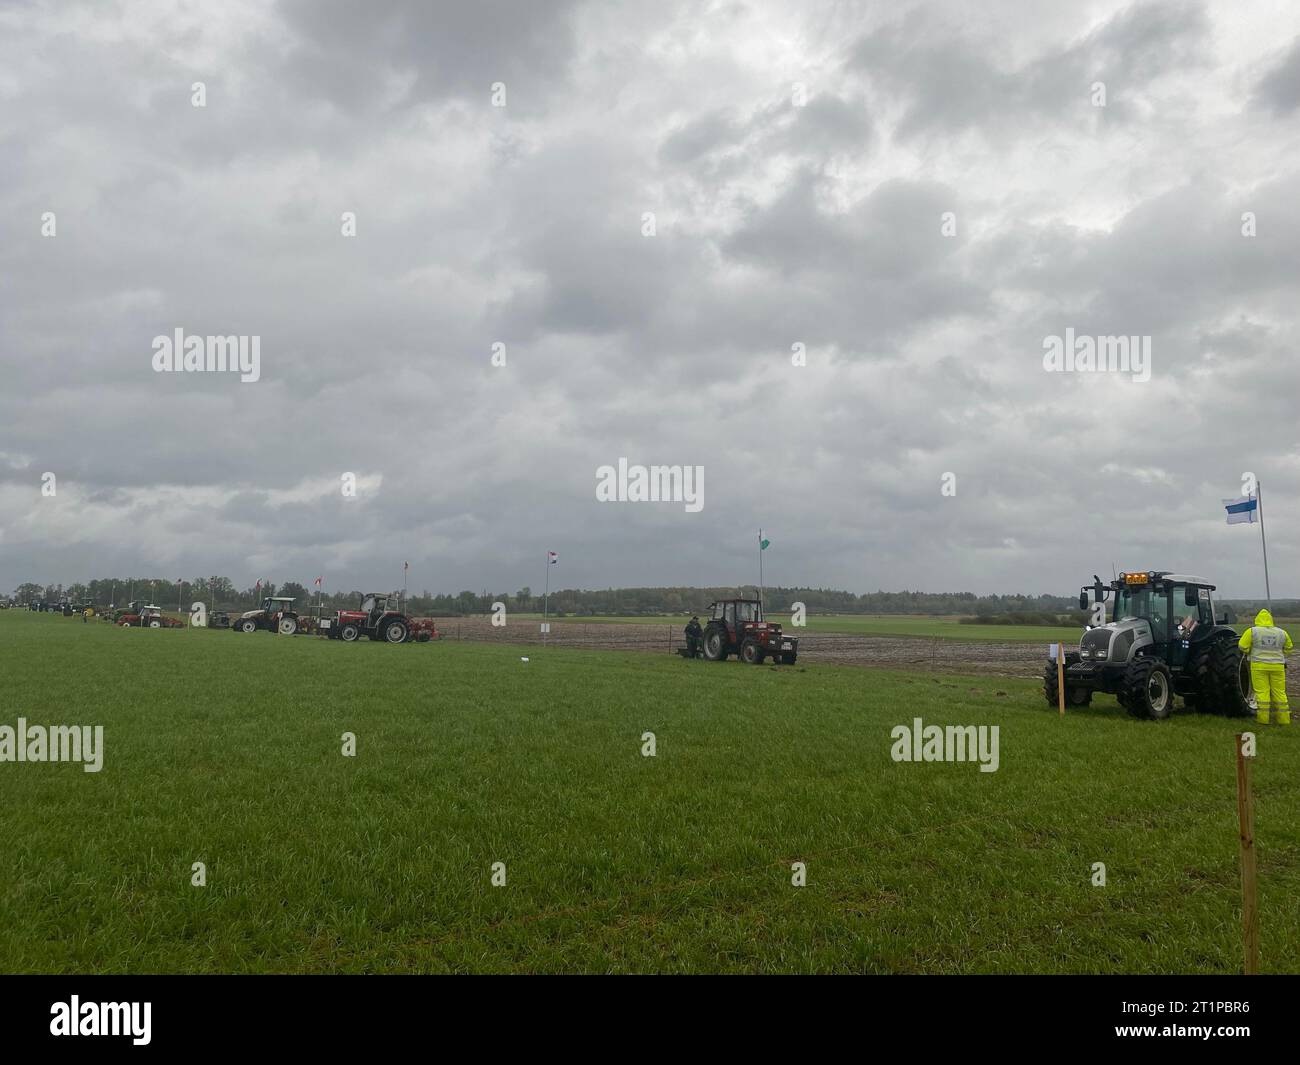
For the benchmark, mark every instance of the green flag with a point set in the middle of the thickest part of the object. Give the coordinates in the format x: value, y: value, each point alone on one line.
x: 762, y: 544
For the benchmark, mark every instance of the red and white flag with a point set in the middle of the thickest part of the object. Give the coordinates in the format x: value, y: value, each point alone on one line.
x: 258, y: 586
x: 405, y: 566
x: 552, y: 557
x: 317, y: 582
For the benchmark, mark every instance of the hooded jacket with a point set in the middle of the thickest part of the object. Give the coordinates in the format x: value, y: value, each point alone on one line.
x: 1265, y: 642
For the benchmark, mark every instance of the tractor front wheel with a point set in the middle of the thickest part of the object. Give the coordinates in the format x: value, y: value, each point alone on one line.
x: 247, y: 625
x: 1074, y: 696
x: 349, y: 633
x: 1148, y: 689
x: 751, y: 654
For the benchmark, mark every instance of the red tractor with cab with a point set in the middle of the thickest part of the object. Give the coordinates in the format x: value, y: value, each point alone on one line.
x: 736, y: 626
x: 372, y: 618
x: 147, y: 617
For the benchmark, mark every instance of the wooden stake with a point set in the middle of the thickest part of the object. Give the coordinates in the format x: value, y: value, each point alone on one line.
x: 1246, y: 819
x: 1060, y: 676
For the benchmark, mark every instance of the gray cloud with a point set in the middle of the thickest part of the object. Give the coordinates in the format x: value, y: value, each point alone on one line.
x: 776, y: 225
x: 1280, y: 87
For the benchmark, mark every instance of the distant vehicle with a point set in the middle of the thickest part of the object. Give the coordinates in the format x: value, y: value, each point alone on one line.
x: 149, y: 617
x: 276, y: 614
x: 737, y: 627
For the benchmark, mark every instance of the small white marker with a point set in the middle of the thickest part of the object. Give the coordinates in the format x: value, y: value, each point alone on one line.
x: 522, y: 658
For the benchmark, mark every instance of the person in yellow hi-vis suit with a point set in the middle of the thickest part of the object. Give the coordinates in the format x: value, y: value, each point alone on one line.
x: 1268, y: 646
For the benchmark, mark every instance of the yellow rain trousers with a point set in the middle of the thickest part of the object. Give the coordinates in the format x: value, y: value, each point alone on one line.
x: 1267, y: 646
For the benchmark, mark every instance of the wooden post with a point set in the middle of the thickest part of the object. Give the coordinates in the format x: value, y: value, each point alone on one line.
x: 1246, y: 819
x: 1060, y: 676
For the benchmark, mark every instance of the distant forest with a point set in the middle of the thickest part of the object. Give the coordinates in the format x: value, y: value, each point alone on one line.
x: 573, y: 602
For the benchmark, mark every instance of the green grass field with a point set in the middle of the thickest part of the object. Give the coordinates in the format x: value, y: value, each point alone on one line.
x: 225, y: 749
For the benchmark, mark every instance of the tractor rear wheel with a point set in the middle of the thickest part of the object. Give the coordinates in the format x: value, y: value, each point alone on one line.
x: 1148, y: 689
x: 348, y: 633
x: 288, y: 626
x: 1229, y: 675
x: 715, y: 644
x: 750, y: 653
x: 395, y: 631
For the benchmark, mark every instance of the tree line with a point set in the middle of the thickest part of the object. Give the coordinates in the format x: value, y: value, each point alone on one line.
x: 220, y: 593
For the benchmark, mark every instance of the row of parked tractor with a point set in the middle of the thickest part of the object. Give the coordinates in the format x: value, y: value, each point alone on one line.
x: 375, y: 618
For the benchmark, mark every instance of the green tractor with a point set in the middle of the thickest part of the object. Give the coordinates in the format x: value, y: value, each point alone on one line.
x: 1162, y: 639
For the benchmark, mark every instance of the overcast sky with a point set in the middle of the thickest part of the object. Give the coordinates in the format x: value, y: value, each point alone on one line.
x: 798, y: 159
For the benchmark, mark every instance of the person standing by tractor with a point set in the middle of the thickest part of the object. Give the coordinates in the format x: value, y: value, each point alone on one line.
x: 694, y: 637
x: 1268, y: 647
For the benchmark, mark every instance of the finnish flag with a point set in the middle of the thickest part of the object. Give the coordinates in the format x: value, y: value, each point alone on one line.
x: 1242, y: 511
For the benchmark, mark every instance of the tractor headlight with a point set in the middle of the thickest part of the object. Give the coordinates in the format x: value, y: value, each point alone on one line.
x: 1085, y: 652
x: 1103, y: 653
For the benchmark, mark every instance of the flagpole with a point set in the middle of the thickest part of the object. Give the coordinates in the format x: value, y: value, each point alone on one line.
x: 760, y: 569
x: 1259, y: 496
x: 546, y: 595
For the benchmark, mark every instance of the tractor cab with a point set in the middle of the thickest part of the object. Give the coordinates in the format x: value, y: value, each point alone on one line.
x: 737, y: 612
x: 1166, y: 610
x: 277, y: 604
x: 374, y: 605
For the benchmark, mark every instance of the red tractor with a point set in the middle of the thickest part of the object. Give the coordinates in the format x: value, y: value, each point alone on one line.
x: 372, y: 618
x: 147, y: 617
x: 737, y: 627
